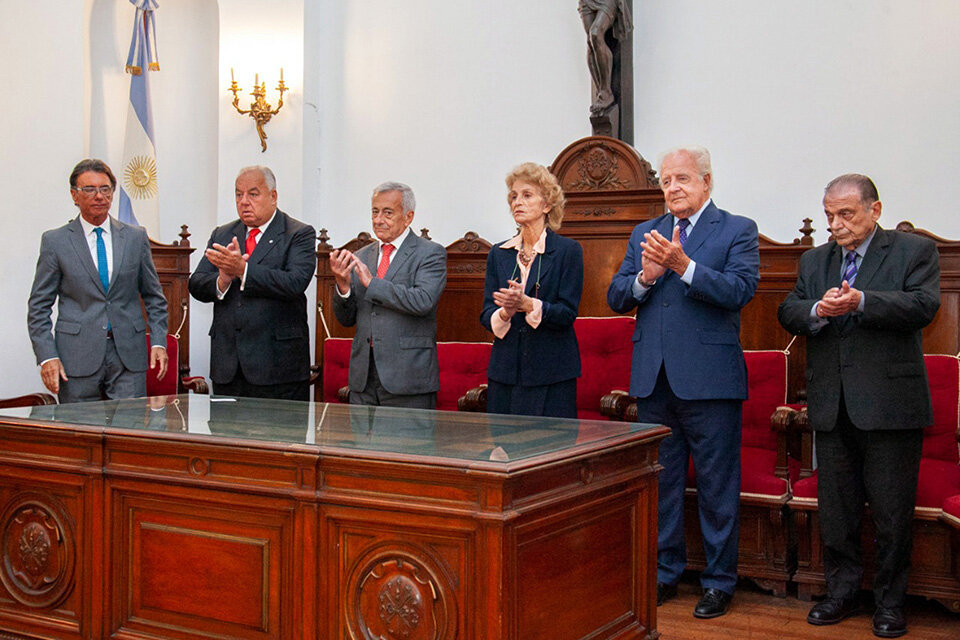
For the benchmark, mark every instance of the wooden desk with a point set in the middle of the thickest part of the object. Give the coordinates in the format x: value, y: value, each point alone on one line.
x: 269, y: 519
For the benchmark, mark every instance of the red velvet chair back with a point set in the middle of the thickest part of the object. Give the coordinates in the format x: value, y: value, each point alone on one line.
x: 939, y: 439
x: 336, y: 366
x: 463, y: 365
x: 606, y: 352
x: 767, y: 390
x: 167, y: 385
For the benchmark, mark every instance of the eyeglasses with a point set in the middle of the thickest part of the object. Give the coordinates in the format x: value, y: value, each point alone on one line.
x: 105, y: 190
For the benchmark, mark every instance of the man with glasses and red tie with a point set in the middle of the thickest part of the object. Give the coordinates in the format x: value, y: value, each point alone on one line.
x: 96, y: 269
x: 862, y: 299
x: 255, y: 271
x: 390, y: 290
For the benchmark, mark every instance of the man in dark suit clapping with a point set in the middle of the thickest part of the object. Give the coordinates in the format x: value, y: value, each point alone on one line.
x: 862, y: 300
x: 255, y: 272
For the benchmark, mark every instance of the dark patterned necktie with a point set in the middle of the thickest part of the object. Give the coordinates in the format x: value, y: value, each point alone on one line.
x: 850, y: 267
x: 683, y: 224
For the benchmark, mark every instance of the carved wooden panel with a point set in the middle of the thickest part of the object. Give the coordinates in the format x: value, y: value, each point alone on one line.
x: 609, y: 188
x: 39, y: 550
x: 201, y: 563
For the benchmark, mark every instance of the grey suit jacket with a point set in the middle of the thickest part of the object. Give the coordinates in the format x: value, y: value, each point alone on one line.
x: 398, y: 314
x: 875, y: 358
x: 67, y: 275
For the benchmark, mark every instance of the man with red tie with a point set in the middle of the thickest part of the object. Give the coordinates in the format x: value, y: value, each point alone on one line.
x: 390, y: 290
x: 255, y: 272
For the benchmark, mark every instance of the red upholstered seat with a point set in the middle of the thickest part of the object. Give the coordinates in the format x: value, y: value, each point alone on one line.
x: 767, y: 390
x: 939, y: 477
x: 951, y: 509
x: 167, y: 385
x: 336, y: 366
x: 606, y: 352
x: 463, y: 365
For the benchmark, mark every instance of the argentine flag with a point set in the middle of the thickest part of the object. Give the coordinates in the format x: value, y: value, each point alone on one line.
x: 139, y: 192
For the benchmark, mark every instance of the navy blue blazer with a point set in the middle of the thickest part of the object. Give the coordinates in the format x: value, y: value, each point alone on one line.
x: 549, y: 353
x: 692, y: 331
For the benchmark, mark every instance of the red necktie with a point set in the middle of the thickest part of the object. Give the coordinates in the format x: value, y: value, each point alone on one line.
x: 252, y: 240
x: 385, y: 252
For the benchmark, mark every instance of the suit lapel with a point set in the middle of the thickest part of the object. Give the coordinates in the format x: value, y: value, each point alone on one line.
x: 404, y: 252
x: 119, y: 242
x: 834, y: 276
x: 541, y: 266
x: 79, y: 242
x: 876, y: 253
x: 705, y: 227
x: 270, y: 238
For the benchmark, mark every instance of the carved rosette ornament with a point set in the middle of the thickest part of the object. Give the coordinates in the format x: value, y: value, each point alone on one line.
x: 38, y: 550
x: 598, y: 169
x: 398, y: 595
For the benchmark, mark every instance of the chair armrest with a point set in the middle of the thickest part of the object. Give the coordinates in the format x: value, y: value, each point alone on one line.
x: 801, y: 425
x: 615, y: 404
x: 474, y: 399
x: 343, y: 394
x: 781, y: 422
x: 197, y: 384
x: 316, y: 375
x: 29, y: 400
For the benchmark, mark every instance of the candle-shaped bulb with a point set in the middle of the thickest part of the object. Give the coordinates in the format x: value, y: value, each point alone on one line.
x: 256, y: 79
x: 281, y: 74
x: 231, y: 75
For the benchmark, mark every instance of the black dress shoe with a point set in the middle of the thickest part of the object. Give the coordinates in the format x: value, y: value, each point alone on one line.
x: 665, y: 592
x: 713, y: 604
x: 889, y: 623
x: 832, y: 610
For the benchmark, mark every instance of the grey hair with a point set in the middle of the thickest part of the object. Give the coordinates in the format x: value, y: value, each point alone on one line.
x: 863, y: 184
x: 700, y: 155
x: 406, y: 193
x: 267, y: 174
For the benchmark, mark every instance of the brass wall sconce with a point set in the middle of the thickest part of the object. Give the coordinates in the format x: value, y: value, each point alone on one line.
x: 260, y: 109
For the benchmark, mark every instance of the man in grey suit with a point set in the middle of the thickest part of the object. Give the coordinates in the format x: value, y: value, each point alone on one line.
x: 97, y: 270
x: 390, y: 290
x: 259, y: 339
x: 862, y: 300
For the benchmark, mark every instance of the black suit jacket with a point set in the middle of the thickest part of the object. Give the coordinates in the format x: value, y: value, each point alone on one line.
x: 549, y: 353
x: 874, y: 358
x: 263, y: 328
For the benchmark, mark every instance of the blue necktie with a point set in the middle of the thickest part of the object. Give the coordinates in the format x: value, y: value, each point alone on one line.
x: 102, y: 260
x: 850, y: 267
x: 683, y: 224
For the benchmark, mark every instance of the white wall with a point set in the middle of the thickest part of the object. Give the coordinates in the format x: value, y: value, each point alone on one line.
x: 445, y: 96
x: 45, y: 113
x: 448, y: 96
x: 787, y: 95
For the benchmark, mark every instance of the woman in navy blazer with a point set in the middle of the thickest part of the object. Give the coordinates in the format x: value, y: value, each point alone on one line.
x: 531, y: 295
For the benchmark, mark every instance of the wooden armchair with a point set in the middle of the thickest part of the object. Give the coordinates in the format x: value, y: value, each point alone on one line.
x: 767, y: 474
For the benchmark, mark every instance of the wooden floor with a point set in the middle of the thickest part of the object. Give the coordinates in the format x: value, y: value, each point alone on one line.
x: 756, y: 615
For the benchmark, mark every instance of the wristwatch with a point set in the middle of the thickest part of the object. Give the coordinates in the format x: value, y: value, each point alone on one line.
x: 644, y: 283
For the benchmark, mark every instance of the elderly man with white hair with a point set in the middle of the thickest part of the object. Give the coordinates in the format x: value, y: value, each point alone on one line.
x: 688, y: 273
